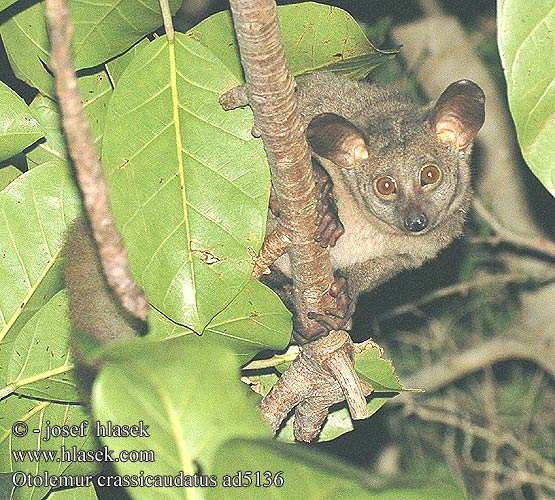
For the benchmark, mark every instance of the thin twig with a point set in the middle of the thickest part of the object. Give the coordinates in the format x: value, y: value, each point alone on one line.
x: 491, y: 413
x: 504, y: 235
x: 482, y: 282
x: 476, y: 358
x: 547, y: 479
x: 86, y: 160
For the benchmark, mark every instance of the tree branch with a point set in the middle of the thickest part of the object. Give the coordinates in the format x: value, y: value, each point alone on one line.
x: 88, y: 168
x: 482, y: 282
x: 504, y: 235
x: 270, y: 92
x: 478, y: 357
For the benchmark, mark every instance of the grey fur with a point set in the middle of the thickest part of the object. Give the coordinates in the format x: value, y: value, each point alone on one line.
x: 400, y: 139
x: 94, y: 308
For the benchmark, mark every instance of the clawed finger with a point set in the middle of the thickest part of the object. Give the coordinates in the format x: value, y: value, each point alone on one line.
x: 336, y: 312
x: 338, y: 287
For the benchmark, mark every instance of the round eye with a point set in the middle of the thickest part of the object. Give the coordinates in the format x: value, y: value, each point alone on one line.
x: 386, y: 186
x: 430, y: 175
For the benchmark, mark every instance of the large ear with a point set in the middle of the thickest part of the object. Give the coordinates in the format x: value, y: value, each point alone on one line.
x: 337, y: 139
x: 459, y: 113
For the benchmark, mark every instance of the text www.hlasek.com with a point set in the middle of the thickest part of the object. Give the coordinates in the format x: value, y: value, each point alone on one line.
x: 74, y: 454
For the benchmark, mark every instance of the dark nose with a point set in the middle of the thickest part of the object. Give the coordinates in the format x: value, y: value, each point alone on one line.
x: 416, y: 222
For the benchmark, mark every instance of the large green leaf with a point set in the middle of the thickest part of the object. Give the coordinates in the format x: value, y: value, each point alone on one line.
x: 18, y: 127
x: 40, y: 364
x: 35, y: 212
x: 6, y: 3
x: 288, y: 472
x: 103, y: 29
x: 8, y: 174
x: 189, y: 183
x: 96, y: 91
x: 315, y: 36
x: 87, y: 493
x: 256, y: 320
x: 525, y: 36
x: 38, y: 416
x: 190, y: 398
x: 116, y: 67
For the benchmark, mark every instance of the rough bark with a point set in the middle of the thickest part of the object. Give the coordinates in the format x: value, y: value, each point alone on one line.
x: 86, y: 160
x: 270, y: 92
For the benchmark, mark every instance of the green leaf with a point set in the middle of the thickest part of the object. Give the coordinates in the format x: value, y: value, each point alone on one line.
x: 525, y: 38
x: 103, y: 29
x: 53, y: 148
x: 6, y: 3
x: 8, y: 174
x: 37, y: 416
x: 254, y: 321
x: 96, y: 91
x: 378, y: 371
x: 315, y: 36
x: 26, y: 43
x: 87, y: 493
x: 244, y: 334
x: 189, y: 183
x: 35, y: 212
x: 290, y: 472
x: 190, y: 398
x: 18, y: 128
x: 40, y: 366
x: 116, y: 67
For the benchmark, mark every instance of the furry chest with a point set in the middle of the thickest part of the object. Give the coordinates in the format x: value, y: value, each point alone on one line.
x: 360, y: 243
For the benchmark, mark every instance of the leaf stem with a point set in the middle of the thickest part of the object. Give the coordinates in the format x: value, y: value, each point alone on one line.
x: 278, y: 359
x: 6, y: 391
x: 167, y: 17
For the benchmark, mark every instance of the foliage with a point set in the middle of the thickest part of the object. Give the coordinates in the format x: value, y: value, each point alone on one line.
x: 189, y: 187
x: 525, y: 38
